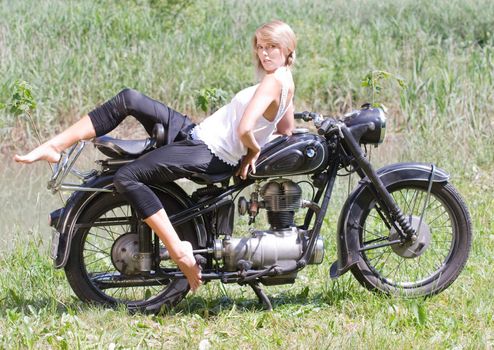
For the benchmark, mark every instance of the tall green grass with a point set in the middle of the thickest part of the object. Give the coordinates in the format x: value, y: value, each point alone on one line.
x: 77, y: 54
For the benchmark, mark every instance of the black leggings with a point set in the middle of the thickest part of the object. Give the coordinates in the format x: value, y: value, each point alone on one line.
x: 179, y: 157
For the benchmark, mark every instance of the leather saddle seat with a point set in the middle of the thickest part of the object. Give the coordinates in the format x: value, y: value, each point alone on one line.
x: 130, y: 149
x: 123, y: 149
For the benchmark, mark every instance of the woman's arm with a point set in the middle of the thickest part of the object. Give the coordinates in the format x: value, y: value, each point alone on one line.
x: 265, y: 95
x: 287, y: 122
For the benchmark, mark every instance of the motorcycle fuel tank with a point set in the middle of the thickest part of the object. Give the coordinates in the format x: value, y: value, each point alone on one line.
x: 300, y: 153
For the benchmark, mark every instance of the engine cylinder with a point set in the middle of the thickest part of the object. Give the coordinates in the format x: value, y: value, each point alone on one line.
x: 281, y: 199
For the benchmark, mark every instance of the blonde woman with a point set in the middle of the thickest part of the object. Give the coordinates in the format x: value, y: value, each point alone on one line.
x: 229, y: 139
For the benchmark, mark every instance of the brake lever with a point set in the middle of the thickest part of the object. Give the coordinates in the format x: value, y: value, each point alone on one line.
x: 318, y: 120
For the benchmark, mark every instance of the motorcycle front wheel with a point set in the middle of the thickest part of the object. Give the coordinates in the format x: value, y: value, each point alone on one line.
x: 422, y: 267
x: 108, y: 227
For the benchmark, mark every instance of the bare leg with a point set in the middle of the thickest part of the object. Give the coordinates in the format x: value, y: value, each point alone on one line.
x: 180, y: 251
x: 50, y: 150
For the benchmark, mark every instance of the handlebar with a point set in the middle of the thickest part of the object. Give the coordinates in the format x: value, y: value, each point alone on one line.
x: 307, y: 116
x: 323, y: 125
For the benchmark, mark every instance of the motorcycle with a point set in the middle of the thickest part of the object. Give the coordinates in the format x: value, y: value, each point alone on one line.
x: 403, y: 230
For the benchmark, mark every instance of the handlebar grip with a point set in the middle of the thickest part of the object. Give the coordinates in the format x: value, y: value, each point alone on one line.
x: 303, y: 115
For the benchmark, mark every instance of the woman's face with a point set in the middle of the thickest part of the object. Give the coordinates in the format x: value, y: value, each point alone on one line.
x: 271, y: 56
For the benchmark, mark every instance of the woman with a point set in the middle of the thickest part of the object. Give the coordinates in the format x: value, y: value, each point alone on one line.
x: 234, y: 134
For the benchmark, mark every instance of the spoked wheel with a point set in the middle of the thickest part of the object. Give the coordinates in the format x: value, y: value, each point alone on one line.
x: 426, y: 265
x: 102, y: 266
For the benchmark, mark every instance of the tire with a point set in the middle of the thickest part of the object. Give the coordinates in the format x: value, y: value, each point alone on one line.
x: 419, y: 269
x: 90, y: 269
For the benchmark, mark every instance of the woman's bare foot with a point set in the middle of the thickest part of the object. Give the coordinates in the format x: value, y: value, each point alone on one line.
x: 187, y: 264
x: 45, y: 151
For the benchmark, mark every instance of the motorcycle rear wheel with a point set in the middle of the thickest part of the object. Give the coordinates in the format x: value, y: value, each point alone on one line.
x: 415, y: 270
x: 91, y: 271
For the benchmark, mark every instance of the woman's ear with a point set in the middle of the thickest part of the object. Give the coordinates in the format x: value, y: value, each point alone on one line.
x: 290, y: 58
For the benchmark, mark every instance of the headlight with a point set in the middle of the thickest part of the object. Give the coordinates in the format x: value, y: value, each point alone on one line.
x: 368, y: 115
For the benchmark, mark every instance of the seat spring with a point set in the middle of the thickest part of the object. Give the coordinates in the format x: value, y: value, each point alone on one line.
x: 206, y: 191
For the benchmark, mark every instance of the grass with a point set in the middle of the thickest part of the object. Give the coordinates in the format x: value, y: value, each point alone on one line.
x: 38, y: 309
x: 77, y: 54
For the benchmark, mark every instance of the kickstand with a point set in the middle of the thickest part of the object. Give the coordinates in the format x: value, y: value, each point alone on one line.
x: 263, y: 298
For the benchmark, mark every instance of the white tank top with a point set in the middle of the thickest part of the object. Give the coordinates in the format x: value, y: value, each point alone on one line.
x: 219, y: 131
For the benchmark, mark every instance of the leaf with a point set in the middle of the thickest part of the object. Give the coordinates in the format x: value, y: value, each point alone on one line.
x: 373, y: 81
x: 304, y: 293
x: 17, y: 299
x: 22, y: 100
x: 202, y: 103
x: 420, y: 313
x: 13, y: 315
x: 262, y: 320
x: 210, y: 99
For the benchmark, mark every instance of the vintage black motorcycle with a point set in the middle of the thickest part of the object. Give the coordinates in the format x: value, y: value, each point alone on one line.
x: 403, y: 230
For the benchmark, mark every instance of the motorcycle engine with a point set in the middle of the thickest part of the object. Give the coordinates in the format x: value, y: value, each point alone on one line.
x: 281, y: 199
x: 282, y: 245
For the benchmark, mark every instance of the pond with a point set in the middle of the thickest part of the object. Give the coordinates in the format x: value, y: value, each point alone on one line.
x: 25, y: 202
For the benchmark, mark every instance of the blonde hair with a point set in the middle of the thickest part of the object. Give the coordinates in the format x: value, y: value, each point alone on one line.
x: 276, y: 33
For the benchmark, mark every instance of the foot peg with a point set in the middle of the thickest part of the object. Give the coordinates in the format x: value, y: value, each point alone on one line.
x: 201, y: 261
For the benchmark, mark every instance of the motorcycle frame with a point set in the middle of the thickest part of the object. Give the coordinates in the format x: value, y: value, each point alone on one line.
x: 346, y: 150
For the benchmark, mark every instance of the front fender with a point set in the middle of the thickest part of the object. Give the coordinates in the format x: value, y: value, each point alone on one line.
x: 347, y: 235
x: 79, y: 201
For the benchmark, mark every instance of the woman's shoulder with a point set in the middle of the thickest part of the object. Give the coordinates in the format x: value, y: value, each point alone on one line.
x: 246, y: 94
x: 283, y: 73
x: 272, y: 80
x: 278, y: 80
x: 281, y: 77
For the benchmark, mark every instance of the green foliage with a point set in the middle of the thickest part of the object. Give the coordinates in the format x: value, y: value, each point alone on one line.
x: 210, y: 99
x: 167, y: 11
x: 373, y: 81
x: 22, y: 101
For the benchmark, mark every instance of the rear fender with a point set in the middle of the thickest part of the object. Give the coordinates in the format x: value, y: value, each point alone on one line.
x: 79, y: 201
x: 348, y: 236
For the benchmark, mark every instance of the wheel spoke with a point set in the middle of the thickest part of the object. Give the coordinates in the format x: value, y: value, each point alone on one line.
x: 380, y: 239
x: 100, y: 237
x: 96, y: 247
x: 95, y: 261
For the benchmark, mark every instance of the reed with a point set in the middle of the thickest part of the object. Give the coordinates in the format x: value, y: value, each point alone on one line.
x: 77, y: 54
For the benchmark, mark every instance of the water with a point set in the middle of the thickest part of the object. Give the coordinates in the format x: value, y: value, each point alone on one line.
x: 25, y: 202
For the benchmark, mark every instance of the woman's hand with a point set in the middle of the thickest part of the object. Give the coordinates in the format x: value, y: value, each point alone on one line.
x: 248, y: 162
